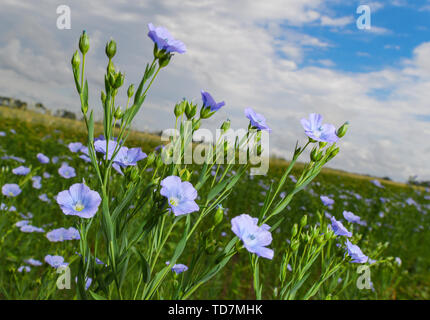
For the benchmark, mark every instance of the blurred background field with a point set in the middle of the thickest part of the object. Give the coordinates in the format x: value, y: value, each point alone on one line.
x: 397, y: 217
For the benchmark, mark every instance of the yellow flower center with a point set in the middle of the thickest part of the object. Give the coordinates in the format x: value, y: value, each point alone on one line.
x: 173, y: 201
x: 79, y: 207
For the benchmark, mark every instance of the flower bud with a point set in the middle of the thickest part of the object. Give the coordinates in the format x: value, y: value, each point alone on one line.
x: 119, y: 80
x: 225, y: 126
x: 118, y: 113
x: 103, y: 97
x: 150, y: 158
x: 219, y: 215
x: 342, y: 130
x: 110, y: 49
x: 190, y: 110
x: 196, y: 124
x: 295, y: 245
x: 304, y: 221
x: 130, y: 91
x: 76, y: 60
x: 179, y: 109
x: 315, y: 155
x: 84, y: 43
x: 294, y: 230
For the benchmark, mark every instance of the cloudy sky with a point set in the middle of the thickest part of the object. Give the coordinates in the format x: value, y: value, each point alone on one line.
x: 284, y: 58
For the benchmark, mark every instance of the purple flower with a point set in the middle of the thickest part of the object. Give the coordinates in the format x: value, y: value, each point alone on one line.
x: 43, y: 197
x: 21, y: 170
x: 178, y: 268
x: 316, y: 130
x: 339, y: 229
x: 11, y: 190
x: 355, y: 253
x: 180, y: 195
x: 75, y: 146
x: 46, y: 175
x: 350, y: 217
x: 13, y: 158
x: 30, y: 229
x: 257, y: 120
x: 79, y: 200
x: 22, y: 223
x: 66, y: 171
x: 36, y: 182
x: 2, y: 134
x: 377, y: 183
x: 33, y: 262
x: 164, y: 40
x: 87, y: 282
x: 209, y: 102
x: 61, y: 234
x: 24, y: 268
x: 129, y: 157
x: 100, y: 146
x: 55, y: 261
x: 254, y: 238
x: 42, y: 158
x: 327, y: 201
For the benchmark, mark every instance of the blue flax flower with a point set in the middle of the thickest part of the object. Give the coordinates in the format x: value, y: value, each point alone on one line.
x: 316, y: 130
x: 339, y: 229
x: 61, y: 234
x: 21, y: 170
x: 180, y: 195
x: 11, y: 190
x: 350, y: 217
x: 79, y: 200
x: 355, y: 253
x: 33, y: 262
x: 75, y: 146
x: 257, y: 120
x: 66, y: 171
x: 42, y: 158
x: 55, y: 261
x: 255, y: 238
x: 209, y: 102
x: 164, y: 40
x: 327, y: 201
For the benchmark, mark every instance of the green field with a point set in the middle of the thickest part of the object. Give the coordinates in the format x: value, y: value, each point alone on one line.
x: 397, y: 221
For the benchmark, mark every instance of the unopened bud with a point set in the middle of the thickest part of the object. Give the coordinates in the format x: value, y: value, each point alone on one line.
x: 110, y: 49
x: 84, y: 43
x: 196, y: 124
x: 130, y: 91
x: 119, y: 80
x: 219, y: 215
x: 304, y: 221
x: 103, y: 97
x: 294, y: 230
x: 150, y: 158
x: 118, y: 113
x: 225, y: 126
x: 76, y: 60
x: 179, y: 109
x: 342, y: 130
x: 190, y: 110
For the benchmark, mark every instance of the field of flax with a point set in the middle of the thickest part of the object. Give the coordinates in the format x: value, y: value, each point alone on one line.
x: 393, y: 230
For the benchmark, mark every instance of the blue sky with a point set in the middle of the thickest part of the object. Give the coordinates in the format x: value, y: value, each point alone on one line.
x: 284, y: 58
